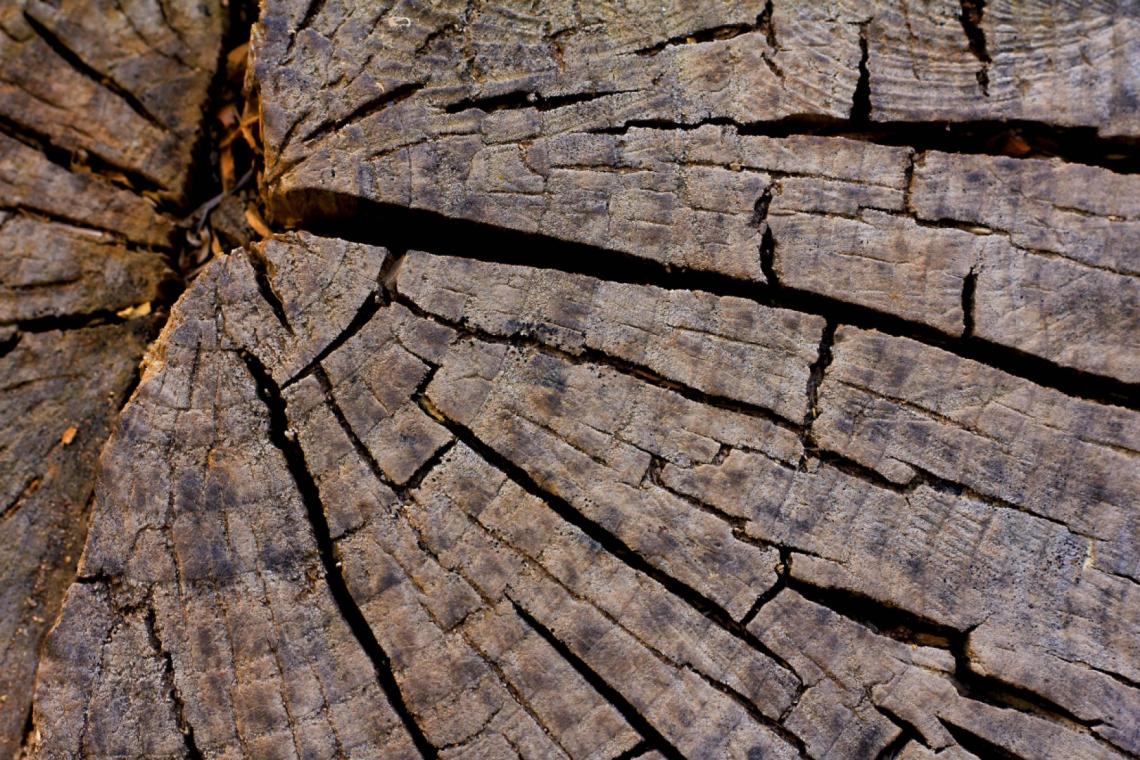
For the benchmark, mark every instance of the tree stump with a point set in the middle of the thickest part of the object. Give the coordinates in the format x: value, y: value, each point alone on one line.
x: 711, y: 380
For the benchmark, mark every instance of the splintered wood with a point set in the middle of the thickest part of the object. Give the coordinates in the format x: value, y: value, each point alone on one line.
x: 646, y: 380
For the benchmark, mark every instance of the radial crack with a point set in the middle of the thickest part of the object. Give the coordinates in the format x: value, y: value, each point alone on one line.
x: 350, y: 611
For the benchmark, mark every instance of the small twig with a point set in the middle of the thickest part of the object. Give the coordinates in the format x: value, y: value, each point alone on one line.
x: 199, y: 216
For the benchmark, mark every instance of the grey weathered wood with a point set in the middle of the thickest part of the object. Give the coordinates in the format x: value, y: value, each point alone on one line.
x: 723, y: 414
x: 233, y: 600
x: 903, y: 408
x: 727, y: 347
x: 1034, y: 61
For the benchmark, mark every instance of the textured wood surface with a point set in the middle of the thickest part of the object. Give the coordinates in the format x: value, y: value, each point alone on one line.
x: 710, y: 380
x: 101, y: 106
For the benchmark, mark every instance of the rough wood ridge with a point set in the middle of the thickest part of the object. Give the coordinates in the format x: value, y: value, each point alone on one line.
x: 643, y: 380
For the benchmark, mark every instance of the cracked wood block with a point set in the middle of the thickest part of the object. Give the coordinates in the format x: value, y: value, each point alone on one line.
x: 591, y: 436
x: 911, y: 411
x: 31, y: 182
x: 895, y: 684
x: 101, y: 103
x: 142, y: 69
x: 451, y: 121
x: 1065, y: 286
x: 883, y: 261
x: 321, y: 78
x: 662, y: 658
x: 250, y: 655
x: 1030, y: 254
x: 52, y: 270
x: 726, y: 347
x: 473, y: 673
x: 495, y: 539
x: 59, y: 392
x: 1015, y: 582
x: 563, y: 565
x: 1068, y: 63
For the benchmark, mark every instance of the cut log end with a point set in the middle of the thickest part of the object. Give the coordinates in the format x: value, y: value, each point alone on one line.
x: 741, y: 380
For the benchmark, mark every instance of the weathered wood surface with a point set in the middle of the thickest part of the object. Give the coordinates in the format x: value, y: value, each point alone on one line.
x: 121, y: 83
x: 61, y: 391
x: 101, y: 105
x: 650, y: 383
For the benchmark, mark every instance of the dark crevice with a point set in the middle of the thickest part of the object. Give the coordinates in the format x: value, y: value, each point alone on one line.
x: 114, y: 235
x: 641, y: 748
x: 926, y: 479
x: 879, y: 617
x: 265, y: 287
x: 767, y: 240
x: 604, y: 538
x: 996, y: 692
x: 294, y: 456
x: 526, y: 99
x: 204, y: 180
x: 969, y: 290
x: 782, y: 573
x: 816, y: 372
x: 417, y: 477
x: 908, y: 732
x: 362, y: 317
x: 31, y: 484
x: 737, y: 524
x: 184, y: 726
x: 861, y: 98
x: 971, y: 19
x: 1013, y: 138
x: 978, y: 745
x: 711, y: 34
x: 28, y: 731
x: 346, y: 427
x: 67, y: 321
x: 764, y: 24
x: 1120, y: 679
x: 311, y: 12
x: 861, y: 471
x: 401, y: 228
x: 635, y: 719
x: 902, y: 625
x: 908, y: 179
x: 8, y: 343
x: 430, y: 40
x: 758, y: 717
x: 364, y: 314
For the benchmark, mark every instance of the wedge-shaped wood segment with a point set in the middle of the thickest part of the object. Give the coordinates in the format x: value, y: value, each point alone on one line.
x: 725, y: 347
x: 910, y: 411
x: 219, y: 611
